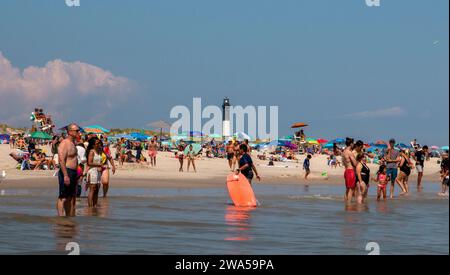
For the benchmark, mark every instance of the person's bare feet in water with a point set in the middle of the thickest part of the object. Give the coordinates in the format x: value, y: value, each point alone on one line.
x: 403, y: 193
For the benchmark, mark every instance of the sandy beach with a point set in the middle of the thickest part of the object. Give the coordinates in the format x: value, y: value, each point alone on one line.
x: 211, y: 173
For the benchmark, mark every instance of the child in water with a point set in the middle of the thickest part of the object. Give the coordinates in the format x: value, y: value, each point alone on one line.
x: 382, y: 180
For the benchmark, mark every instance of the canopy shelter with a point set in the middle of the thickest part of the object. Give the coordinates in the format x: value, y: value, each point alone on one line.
x: 40, y: 135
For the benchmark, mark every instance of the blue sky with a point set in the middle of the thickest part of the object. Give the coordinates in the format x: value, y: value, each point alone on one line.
x: 345, y: 68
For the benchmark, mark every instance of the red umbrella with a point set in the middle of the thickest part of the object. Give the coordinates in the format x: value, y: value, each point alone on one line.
x: 321, y: 140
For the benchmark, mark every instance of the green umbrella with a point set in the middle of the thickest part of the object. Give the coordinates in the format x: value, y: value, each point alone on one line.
x: 195, y: 147
x: 40, y: 135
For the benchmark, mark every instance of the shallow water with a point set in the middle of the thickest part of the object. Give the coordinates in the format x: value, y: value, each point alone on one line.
x: 290, y: 220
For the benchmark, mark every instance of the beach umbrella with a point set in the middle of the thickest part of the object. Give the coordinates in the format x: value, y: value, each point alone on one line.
x: 321, y: 140
x: 382, y: 146
x: 215, y: 136
x: 328, y: 145
x: 378, y: 142
x: 241, y: 136
x: 338, y: 140
x: 196, y: 147
x: 40, y: 135
x: 298, y: 125
x: 179, y: 137
x: 95, y: 129
x: 4, y: 137
x: 312, y: 141
x: 290, y: 137
x: 403, y: 146
x: 139, y: 136
x: 445, y: 148
x: 434, y: 147
x: 161, y: 125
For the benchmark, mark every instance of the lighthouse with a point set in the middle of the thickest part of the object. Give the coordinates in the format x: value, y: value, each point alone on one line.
x: 226, y: 125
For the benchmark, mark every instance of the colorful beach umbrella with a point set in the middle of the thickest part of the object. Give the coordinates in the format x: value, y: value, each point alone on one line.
x: 40, y: 135
x: 95, y: 129
x: 328, y: 146
x: 321, y: 140
x: 338, y: 140
x: 312, y: 141
x: 299, y: 125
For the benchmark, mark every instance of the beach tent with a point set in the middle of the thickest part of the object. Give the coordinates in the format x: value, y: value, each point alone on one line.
x: 40, y: 135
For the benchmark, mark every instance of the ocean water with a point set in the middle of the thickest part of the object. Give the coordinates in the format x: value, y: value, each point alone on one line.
x: 290, y: 220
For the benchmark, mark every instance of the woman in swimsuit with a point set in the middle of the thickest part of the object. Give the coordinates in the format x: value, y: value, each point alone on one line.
x: 106, y: 157
x: 95, y: 167
x: 405, y: 171
x: 382, y: 180
x: 363, y: 176
x: 180, y: 155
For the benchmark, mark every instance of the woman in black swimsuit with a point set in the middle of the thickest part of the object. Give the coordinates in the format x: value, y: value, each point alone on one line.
x: 405, y: 171
x: 363, y: 176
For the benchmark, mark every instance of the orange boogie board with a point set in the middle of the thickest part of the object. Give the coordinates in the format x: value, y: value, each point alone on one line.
x: 240, y: 190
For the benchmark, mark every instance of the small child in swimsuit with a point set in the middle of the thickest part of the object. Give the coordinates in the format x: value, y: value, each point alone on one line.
x: 382, y: 180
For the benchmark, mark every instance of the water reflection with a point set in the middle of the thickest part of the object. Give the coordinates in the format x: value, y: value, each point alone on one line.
x: 238, y: 221
x: 66, y: 230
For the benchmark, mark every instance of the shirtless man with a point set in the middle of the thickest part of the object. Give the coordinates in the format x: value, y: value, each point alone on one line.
x: 67, y: 176
x: 230, y: 155
x: 349, y: 162
x: 152, y: 151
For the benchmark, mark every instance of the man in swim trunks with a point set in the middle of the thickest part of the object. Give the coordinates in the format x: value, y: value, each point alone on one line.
x: 67, y: 176
x: 230, y: 154
x: 420, y: 156
x: 349, y: 162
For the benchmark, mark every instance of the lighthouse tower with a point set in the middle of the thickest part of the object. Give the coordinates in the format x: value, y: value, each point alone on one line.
x: 226, y: 125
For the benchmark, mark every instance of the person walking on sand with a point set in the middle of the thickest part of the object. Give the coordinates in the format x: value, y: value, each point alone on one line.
x: 246, y: 166
x: 444, y: 174
x: 230, y: 155
x: 67, y: 175
x: 349, y: 162
x: 363, y: 177
x: 420, y: 156
x: 306, y: 166
x: 95, y: 167
x: 190, y: 155
x: 152, y: 151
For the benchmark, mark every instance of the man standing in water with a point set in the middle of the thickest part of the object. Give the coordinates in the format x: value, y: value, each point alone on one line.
x: 67, y: 176
x: 419, y: 157
x: 392, y: 159
x: 230, y: 155
x: 349, y: 162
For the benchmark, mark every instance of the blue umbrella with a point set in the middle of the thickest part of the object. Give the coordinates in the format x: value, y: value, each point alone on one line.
x: 382, y: 146
x: 4, y: 136
x: 139, y: 136
x: 328, y: 145
x: 338, y: 140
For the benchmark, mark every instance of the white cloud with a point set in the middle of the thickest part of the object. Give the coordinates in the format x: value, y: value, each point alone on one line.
x: 59, y: 86
x: 382, y: 113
